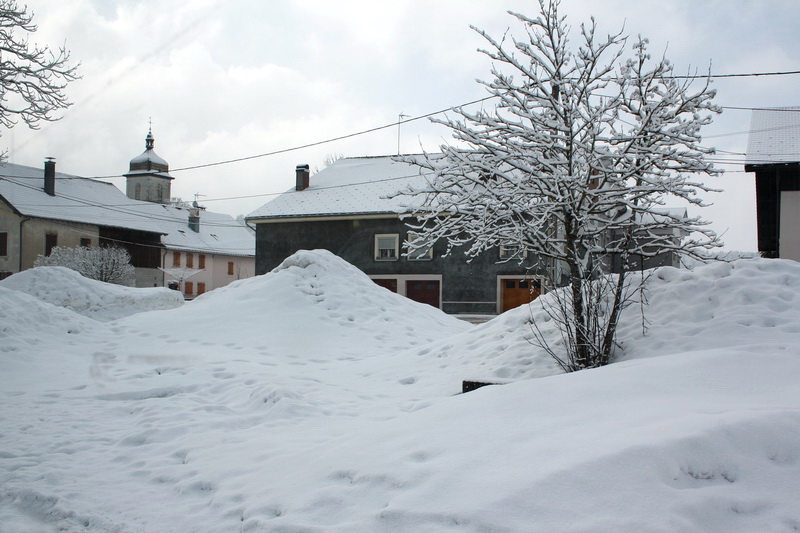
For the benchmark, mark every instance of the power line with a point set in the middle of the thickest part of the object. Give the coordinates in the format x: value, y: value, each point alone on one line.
x: 317, y: 143
x: 396, y: 123
x: 778, y: 109
x: 735, y: 75
x: 412, y: 119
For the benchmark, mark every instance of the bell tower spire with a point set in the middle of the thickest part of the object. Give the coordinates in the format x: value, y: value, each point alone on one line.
x: 149, y: 141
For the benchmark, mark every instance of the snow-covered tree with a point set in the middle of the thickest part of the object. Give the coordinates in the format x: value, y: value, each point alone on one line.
x: 32, y: 78
x: 573, y: 167
x: 110, y: 264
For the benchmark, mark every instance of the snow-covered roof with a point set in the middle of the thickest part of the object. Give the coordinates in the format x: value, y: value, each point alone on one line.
x: 774, y: 136
x: 88, y: 201
x: 77, y: 199
x: 350, y: 186
x: 149, y: 155
x: 217, y: 233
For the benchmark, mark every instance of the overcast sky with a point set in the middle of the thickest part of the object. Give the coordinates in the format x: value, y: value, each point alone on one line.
x: 230, y: 79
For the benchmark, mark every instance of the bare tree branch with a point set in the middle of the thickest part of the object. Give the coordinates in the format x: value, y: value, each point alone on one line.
x: 33, y: 79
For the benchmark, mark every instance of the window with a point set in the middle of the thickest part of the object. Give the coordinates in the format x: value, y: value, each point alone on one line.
x: 189, y: 260
x: 507, y: 251
x: 137, y: 195
x: 50, y: 242
x: 230, y: 268
x: 202, y: 261
x: 188, y: 287
x: 386, y: 247
x: 3, y: 243
x: 176, y: 259
x: 86, y: 242
x: 424, y: 249
x: 201, y: 287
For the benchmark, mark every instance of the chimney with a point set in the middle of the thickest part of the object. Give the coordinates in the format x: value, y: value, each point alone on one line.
x: 302, y: 174
x: 50, y: 176
x: 194, y: 219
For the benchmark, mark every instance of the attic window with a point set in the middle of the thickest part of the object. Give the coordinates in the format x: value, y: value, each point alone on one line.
x: 214, y: 235
x: 181, y: 232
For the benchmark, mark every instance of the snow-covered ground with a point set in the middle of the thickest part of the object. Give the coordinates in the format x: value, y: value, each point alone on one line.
x: 312, y: 400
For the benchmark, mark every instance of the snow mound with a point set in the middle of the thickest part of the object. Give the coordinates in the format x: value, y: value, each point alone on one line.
x: 740, y: 303
x: 27, y: 322
x: 314, y: 303
x: 743, y: 302
x: 101, y: 301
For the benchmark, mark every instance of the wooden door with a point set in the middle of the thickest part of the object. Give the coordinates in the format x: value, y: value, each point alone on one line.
x: 516, y: 292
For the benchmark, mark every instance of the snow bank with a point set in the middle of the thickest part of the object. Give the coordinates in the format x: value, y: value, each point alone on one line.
x: 36, y: 338
x: 26, y: 321
x: 732, y: 304
x: 101, y: 301
x: 742, y: 303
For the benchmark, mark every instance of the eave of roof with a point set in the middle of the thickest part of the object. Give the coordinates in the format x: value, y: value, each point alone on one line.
x: 323, y: 217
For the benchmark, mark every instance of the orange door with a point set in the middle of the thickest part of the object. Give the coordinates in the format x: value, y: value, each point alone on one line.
x: 518, y: 292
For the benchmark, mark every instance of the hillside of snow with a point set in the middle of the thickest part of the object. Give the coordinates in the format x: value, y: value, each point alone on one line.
x: 66, y: 288
x: 312, y: 400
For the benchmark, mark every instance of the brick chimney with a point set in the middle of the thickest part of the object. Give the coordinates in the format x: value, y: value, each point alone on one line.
x: 50, y: 176
x: 302, y: 174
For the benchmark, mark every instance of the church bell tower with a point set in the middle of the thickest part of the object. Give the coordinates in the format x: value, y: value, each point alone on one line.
x: 148, y: 178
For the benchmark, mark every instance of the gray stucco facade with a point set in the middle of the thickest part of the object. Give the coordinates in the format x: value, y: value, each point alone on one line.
x: 465, y: 286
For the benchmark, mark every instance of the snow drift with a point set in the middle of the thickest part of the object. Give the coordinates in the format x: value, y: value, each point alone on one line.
x: 297, y: 401
x: 313, y: 303
x: 66, y: 288
x: 725, y: 304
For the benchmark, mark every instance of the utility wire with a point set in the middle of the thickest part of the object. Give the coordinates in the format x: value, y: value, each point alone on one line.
x: 433, y: 113
x: 317, y: 143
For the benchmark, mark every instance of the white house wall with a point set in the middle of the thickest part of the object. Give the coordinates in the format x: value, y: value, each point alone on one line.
x: 213, y: 276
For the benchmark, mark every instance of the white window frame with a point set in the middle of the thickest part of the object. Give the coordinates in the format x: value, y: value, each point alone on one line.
x: 506, y: 254
x: 396, y: 250
x: 421, y: 254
